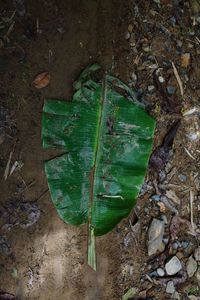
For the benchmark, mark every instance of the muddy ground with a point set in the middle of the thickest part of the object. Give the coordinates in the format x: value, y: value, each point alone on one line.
x: 40, y: 256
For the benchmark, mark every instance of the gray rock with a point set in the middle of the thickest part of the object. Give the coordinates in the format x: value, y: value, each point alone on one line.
x: 191, y: 266
x: 155, y: 236
x: 182, y: 177
x: 197, y: 254
x: 198, y: 276
x: 160, y: 272
x: 173, y: 266
x: 176, y: 295
x: 170, y: 289
x: 161, y: 79
x: 151, y: 88
x: 171, y: 90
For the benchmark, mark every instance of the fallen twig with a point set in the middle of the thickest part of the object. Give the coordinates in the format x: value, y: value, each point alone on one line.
x: 191, y: 209
x: 8, y: 166
x: 188, y: 153
x: 178, y: 78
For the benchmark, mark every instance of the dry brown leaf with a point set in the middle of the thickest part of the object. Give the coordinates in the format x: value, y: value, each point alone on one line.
x: 185, y: 60
x: 41, y: 80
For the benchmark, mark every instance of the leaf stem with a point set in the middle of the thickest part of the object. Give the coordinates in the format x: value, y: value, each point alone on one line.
x: 91, y: 249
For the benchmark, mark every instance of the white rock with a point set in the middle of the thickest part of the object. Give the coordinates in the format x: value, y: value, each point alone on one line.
x: 170, y: 289
x: 191, y: 266
x: 160, y: 272
x: 173, y: 266
x: 156, y: 232
x: 151, y: 88
x: 161, y: 79
x: 197, y: 254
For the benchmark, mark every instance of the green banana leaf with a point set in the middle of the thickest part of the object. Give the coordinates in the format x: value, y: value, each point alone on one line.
x: 107, y: 138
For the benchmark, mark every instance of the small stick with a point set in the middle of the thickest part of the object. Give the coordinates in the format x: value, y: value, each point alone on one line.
x: 188, y: 153
x: 191, y: 209
x: 9, y: 161
x: 178, y: 78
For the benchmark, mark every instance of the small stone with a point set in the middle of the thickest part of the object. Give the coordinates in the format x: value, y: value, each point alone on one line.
x: 170, y: 289
x: 190, y: 46
x: 182, y: 178
x: 185, y: 244
x: 191, y: 266
x: 134, y: 77
x: 155, y: 197
x: 198, y: 276
x: 197, y: 254
x: 175, y: 246
x: 161, y: 79
x: 151, y: 88
x: 160, y: 272
x: 176, y: 295
x: 171, y: 90
x: 179, y: 44
x: 173, y: 266
x: 173, y: 21
x: 146, y: 48
x: 155, y: 236
x: 127, y: 35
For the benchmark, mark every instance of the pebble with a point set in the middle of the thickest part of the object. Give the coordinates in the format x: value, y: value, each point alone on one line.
x: 173, y: 266
x: 198, y: 276
x: 155, y: 197
x: 146, y: 48
x: 127, y: 35
x: 160, y: 272
x: 155, y: 236
x: 182, y: 177
x: 176, y: 295
x: 173, y: 21
x: 170, y: 289
x: 179, y: 44
x: 171, y: 90
x: 134, y: 77
x: 191, y: 266
x: 197, y: 254
x: 161, y: 79
x: 151, y: 88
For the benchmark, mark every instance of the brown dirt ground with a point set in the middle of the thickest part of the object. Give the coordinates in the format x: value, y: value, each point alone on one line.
x: 47, y: 261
